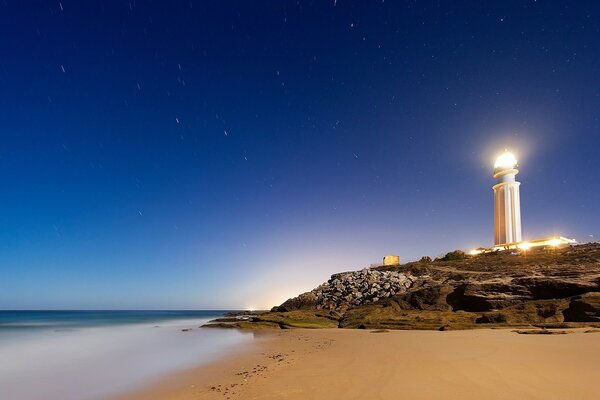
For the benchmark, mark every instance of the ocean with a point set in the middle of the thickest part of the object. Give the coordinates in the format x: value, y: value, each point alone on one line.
x: 89, y: 355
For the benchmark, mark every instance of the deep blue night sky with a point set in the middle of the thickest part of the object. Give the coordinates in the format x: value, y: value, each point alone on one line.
x: 224, y: 154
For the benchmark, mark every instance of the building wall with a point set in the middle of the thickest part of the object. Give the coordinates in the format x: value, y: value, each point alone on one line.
x: 507, y: 213
x: 391, y: 260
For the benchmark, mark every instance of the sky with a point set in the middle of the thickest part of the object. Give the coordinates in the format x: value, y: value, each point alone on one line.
x: 232, y: 154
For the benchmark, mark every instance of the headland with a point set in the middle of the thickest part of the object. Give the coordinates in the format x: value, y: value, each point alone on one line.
x: 544, y: 288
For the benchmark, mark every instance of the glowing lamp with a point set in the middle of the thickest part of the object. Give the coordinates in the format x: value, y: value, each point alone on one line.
x: 506, y: 160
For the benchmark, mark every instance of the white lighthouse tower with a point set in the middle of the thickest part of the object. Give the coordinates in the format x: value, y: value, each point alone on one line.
x: 507, y: 213
x: 507, y: 203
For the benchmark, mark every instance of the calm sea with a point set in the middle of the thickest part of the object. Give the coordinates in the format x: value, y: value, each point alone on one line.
x: 80, y: 355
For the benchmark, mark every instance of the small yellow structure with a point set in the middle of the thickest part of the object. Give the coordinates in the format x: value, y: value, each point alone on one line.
x: 391, y: 260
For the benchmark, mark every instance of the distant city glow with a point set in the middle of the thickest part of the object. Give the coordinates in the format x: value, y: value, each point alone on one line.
x: 506, y: 160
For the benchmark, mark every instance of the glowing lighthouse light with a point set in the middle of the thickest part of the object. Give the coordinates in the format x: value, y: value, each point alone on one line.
x: 506, y: 160
x: 507, y: 201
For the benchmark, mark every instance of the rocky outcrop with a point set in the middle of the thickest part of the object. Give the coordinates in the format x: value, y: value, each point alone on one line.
x: 555, y: 287
x: 350, y: 289
x: 304, y: 301
x: 584, y: 308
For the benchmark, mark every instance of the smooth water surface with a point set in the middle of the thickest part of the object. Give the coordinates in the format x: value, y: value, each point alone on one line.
x: 79, y: 355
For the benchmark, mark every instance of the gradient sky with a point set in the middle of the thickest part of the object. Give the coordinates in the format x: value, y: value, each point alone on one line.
x: 226, y: 154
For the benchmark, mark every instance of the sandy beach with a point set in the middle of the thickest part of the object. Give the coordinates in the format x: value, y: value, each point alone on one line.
x: 364, y: 364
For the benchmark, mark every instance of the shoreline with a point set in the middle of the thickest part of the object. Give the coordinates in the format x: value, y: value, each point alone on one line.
x: 90, y: 355
x: 339, y: 363
x: 217, y: 377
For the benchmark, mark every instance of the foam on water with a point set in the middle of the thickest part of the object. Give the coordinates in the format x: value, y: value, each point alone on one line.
x: 90, y: 362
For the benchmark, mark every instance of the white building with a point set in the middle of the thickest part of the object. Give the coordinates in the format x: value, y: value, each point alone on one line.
x: 507, y: 201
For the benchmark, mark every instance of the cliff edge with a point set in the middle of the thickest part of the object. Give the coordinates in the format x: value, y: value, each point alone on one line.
x: 545, y: 288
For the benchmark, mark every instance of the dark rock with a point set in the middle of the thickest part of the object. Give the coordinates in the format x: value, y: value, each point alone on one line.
x: 241, y: 313
x: 492, y: 318
x: 426, y: 298
x: 302, y: 302
x: 584, y: 308
x: 225, y: 319
x: 554, y: 288
x: 460, y: 299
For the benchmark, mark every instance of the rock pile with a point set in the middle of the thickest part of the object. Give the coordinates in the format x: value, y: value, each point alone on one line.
x: 350, y: 289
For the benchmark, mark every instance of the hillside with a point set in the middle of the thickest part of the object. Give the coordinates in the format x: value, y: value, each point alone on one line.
x: 548, y: 288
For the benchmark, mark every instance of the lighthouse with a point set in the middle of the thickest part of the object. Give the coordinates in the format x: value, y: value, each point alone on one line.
x: 507, y: 213
x: 507, y: 203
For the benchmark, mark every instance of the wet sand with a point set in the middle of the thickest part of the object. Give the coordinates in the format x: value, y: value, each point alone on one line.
x: 363, y: 364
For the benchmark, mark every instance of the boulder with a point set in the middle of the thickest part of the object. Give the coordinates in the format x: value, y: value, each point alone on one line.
x: 585, y: 308
x: 304, y: 301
